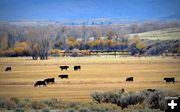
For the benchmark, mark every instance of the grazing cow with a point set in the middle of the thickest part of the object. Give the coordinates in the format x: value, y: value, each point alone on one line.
x: 39, y: 83
x: 49, y: 80
x: 8, y: 69
x: 168, y: 80
x: 64, y: 67
x: 77, y: 68
x: 151, y: 90
x: 122, y: 90
x: 63, y: 76
x: 129, y: 79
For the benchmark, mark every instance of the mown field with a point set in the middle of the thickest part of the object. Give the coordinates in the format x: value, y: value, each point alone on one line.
x: 165, y: 34
x: 97, y: 74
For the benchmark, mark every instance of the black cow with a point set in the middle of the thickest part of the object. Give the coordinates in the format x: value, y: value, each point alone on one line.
x: 39, y: 83
x: 168, y: 80
x: 77, y: 68
x: 64, y: 67
x: 151, y: 90
x: 8, y: 69
x: 129, y: 79
x: 122, y: 90
x: 49, y: 80
x: 63, y: 76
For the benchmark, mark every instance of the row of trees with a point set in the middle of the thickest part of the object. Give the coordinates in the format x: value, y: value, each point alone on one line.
x: 36, y: 41
x: 16, y: 41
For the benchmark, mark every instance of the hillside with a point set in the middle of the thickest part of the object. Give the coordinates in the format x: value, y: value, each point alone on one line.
x: 165, y: 34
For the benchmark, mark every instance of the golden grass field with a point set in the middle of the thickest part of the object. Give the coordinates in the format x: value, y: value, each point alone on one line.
x: 97, y: 74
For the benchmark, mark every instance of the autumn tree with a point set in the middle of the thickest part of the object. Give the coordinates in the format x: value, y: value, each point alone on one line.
x: 44, y: 42
x: 21, y: 48
x: 84, y: 32
x: 3, y: 42
x: 39, y: 43
x: 71, y: 41
x: 141, y: 47
x: 64, y: 37
x: 110, y: 34
x: 33, y: 42
x: 132, y: 44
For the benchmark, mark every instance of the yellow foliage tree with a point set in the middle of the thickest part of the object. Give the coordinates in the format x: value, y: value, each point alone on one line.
x: 109, y: 42
x: 140, y: 46
x: 91, y: 44
x: 72, y: 42
x: 21, y: 48
x: 135, y: 39
x: 23, y: 45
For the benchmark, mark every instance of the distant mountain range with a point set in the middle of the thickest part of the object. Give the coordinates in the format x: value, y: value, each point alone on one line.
x: 91, y: 22
x: 77, y: 11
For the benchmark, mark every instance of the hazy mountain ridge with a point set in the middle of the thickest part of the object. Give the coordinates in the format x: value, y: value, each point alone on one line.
x: 94, y: 21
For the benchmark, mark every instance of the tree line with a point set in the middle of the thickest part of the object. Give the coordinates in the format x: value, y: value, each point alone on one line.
x: 37, y: 41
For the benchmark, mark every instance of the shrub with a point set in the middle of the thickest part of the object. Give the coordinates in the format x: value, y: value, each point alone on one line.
x: 83, y: 109
x: 130, y: 98
x: 103, y: 107
x: 74, y: 105
x: 54, y: 103
x: 154, y: 100
x: 25, y: 103
x: 46, y: 105
x: 97, y: 97
x: 70, y: 110
x: 19, y: 110
x: 37, y: 105
x: 45, y: 110
x: 15, y: 99
x: 2, y: 100
x: 9, y: 105
x: 140, y: 110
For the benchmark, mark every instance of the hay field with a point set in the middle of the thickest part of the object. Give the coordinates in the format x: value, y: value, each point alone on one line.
x: 97, y: 74
x: 164, y: 34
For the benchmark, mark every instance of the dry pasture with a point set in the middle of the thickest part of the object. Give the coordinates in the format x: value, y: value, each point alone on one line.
x: 97, y: 74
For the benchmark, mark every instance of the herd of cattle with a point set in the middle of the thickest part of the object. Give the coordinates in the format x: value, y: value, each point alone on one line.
x: 52, y: 80
x: 167, y: 79
x: 66, y: 67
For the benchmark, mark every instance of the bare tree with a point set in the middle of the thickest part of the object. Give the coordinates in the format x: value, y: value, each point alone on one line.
x: 39, y: 42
